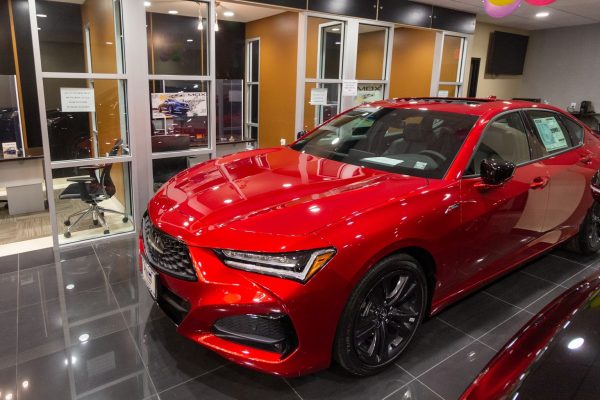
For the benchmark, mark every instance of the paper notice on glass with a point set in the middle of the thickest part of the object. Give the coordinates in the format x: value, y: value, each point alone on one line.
x: 318, y: 96
x: 350, y: 88
x: 77, y: 100
x: 443, y: 93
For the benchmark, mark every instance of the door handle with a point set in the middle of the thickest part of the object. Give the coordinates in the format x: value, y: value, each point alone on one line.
x: 540, y: 182
x: 585, y: 159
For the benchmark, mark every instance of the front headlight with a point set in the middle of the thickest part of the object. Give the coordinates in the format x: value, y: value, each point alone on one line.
x: 298, y: 265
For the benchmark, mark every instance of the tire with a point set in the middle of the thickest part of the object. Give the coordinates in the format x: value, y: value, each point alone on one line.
x: 587, y: 240
x: 389, y: 303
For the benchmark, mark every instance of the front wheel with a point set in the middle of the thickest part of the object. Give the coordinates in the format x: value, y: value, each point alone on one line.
x: 382, y: 315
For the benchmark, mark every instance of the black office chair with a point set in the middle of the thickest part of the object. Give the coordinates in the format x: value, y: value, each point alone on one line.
x: 93, y: 189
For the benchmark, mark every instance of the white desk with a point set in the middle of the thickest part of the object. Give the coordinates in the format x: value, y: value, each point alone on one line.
x: 21, y: 181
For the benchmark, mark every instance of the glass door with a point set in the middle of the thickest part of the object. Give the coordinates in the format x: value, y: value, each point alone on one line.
x: 82, y: 84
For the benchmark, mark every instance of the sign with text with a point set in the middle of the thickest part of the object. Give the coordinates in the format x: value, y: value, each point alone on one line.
x: 77, y: 100
x: 318, y: 96
x: 350, y: 88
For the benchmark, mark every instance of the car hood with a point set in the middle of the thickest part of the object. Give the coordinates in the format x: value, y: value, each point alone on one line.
x: 276, y: 191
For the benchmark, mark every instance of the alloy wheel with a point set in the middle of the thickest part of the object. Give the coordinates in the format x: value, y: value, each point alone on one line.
x: 388, y: 317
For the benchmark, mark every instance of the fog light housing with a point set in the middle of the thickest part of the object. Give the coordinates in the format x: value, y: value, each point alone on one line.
x: 271, y: 332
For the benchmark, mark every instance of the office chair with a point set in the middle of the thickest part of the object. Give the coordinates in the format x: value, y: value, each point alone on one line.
x: 92, y: 190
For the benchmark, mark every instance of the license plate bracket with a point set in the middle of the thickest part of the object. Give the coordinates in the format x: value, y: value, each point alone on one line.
x: 149, y: 275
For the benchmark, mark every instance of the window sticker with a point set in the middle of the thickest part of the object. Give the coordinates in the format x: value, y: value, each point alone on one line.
x: 383, y: 160
x: 551, y: 133
x: 420, y: 165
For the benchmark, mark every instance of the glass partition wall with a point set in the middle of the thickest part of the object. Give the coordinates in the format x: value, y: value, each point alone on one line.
x: 346, y: 63
x: 106, y: 103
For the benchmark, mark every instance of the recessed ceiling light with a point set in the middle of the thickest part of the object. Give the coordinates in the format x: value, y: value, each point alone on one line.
x: 228, y: 13
x: 147, y: 4
x: 41, y: 15
x: 109, y: 43
x: 190, y: 40
x: 70, y: 286
x: 335, y: 29
x: 542, y: 14
x: 173, y: 12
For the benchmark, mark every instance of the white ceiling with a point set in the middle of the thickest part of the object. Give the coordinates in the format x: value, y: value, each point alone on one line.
x: 562, y: 13
x: 243, y: 12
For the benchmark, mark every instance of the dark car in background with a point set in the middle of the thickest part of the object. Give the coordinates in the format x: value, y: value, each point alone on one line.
x: 555, y: 356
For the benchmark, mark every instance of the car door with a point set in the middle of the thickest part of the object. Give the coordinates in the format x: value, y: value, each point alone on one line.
x: 570, y: 171
x: 500, y: 226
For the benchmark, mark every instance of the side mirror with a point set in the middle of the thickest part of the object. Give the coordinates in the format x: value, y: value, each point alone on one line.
x: 494, y: 173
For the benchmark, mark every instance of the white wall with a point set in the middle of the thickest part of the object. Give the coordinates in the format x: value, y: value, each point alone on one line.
x: 563, y: 66
x: 501, y: 86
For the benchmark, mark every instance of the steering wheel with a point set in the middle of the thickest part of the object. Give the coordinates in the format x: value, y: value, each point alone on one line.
x: 434, y: 154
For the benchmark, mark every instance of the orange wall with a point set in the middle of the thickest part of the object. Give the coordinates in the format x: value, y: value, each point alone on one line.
x: 277, y: 86
x: 412, y: 62
x: 99, y: 15
x: 370, y: 55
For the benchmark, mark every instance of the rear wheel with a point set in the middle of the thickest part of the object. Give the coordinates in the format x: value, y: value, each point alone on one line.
x: 382, y: 315
x: 587, y: 241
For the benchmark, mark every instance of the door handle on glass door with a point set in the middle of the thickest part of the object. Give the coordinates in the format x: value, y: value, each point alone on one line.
x: 540, y: 182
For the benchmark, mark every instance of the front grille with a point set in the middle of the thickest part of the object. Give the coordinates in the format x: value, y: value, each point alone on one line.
x: 167, y: 254
x: 272, y: 332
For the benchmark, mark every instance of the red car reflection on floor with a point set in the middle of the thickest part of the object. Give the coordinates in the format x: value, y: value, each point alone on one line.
x: 338, y: 246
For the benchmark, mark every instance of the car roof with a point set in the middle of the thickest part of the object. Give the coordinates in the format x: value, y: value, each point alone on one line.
x: 471, y: 106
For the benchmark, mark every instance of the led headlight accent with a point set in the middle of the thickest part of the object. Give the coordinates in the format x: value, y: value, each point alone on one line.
x: 298, y: 265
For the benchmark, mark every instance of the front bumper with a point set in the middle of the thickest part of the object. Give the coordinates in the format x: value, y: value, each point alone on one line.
x: 203, y: 311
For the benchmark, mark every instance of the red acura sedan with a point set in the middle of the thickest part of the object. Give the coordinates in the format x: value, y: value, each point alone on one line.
x: 338, y: 246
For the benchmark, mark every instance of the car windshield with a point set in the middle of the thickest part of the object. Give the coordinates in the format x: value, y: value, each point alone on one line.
x: 406, y: 141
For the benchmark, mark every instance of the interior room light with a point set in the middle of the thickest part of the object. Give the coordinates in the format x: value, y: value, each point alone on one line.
x: 336, y: 29
x: 25, y: 384
x: 542, y: 14
x: 173, y: 12
x: 228, y: 13
x: 41, y: 15
x: 200, y: 24
x: 216, y: 26
x: 147, y: 4
x: 70, y: 286
x: 190, y: 40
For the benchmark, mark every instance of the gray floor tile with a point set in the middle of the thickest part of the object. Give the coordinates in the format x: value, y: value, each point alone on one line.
x: 8, y: 339
x: 170, y: 358
x: 453, y: 376
x: 500, y: 335
x: 553, y: 269
x: 336, y: 383
x: 478, y: 314
x: 585, y: 274
x: 573, y: 256
x: 9, y: 263
x: 232, y: 382
x: 37, y: 285
x: 36, y: 258
x: 8, y: 291
x: 415, y: 390
x: 520, y: 289
x: 433, y: 342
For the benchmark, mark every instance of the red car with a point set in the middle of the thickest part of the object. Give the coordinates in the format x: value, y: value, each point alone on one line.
x: 338, y: 246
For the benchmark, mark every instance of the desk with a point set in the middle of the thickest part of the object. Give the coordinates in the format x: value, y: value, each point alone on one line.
x: 22, y: 178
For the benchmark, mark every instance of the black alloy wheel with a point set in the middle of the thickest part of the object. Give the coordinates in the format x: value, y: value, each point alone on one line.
x: 387, y: 318
x: 593, y: 231
x: 382, y: 315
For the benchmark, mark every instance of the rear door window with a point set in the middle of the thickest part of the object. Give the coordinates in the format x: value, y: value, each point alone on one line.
x: 575, y: 130
x: 550, y: 131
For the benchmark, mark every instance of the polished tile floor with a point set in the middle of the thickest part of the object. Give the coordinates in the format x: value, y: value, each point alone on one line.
x: 84, y: 327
